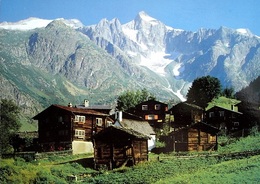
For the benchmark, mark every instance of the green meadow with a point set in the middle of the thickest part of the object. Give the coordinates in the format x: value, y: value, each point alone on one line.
x: 162, y: 168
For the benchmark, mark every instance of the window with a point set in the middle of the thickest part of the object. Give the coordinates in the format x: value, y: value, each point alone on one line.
x: 144, y: 107
x: 80, y: 133
x: 211, y: 114
x: 157, y: 107
x: 60, y: 119
x: 109, y: 123
x: 151, y: 117
x: 80, y: 119
x: 99, y: 121
x: 221, y: 113
x: 63, y: 132
x: 236, y: 124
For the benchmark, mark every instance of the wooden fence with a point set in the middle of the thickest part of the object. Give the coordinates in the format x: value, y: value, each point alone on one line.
x: 223, y: 156
x: 31, y: 155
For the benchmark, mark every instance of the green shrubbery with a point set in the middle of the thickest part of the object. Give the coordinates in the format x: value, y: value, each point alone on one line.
x: 248, y: 143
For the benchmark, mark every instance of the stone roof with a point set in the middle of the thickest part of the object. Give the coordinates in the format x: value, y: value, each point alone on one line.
x: 113, y: 130
x: 137, y: 125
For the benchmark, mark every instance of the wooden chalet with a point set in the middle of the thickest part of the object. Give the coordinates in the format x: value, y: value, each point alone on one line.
x: 186, y: 114
x: 224, y: 118
x: 130, y: 121
x: 116, y: 146
x: 152, y: 111
x: 67, y: 127
x: 195, y: 137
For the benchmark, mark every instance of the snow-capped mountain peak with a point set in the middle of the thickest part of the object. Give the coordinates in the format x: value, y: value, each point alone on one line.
x: 244, y: 31
x: 27, y: 24
x: 33, y: 23
x: 142, y: 15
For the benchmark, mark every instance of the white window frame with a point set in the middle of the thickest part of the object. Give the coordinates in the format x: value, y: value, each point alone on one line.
x: 151, y: 117
x: 80, y: 119
x: 99, y: 122
x: 144, y: 107
x: 157, y: 106
x: 79, y: 133
x: 109, y: 123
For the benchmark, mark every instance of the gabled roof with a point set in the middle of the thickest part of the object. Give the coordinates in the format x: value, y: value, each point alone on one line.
x: 223, y: 108
x: 101, y: 107
x: 154, y: 101
x: 184, y: 106
x: 200, y: 125
x: 72, y: 110
x: 114, y: 131
x: 140, y: 126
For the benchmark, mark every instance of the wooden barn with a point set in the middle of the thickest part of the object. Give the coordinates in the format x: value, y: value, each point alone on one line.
x: 117, y: 146
x: 186, y: 114
x: 130, y: 121
x: 224, y: 118
x: 196, y: 137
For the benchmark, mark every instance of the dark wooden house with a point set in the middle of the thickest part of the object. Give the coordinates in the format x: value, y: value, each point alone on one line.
x: 117, y: 146
x: 224, y: 118
x: 66, y: 127
x: 196, y: 137
x: 136, y: 123
x: 186, y: 114
x: 152, y: 111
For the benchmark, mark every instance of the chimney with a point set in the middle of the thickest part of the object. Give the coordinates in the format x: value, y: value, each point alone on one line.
x: 70, y: 105
x: 86, y: 103
x: 119, y: 116
x: 233, y: 107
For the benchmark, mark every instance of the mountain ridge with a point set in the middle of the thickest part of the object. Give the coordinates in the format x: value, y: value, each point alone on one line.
x: 66, y: 61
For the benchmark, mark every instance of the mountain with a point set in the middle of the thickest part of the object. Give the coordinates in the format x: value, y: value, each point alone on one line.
x: 60, y: 61
x: 181, y: 56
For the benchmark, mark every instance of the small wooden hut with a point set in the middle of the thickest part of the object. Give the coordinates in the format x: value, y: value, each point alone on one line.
x: 117, y: 146
x: 196, y: 137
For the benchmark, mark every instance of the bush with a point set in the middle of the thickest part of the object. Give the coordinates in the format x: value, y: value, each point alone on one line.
x: 6, y: 173
x: 44, y: 177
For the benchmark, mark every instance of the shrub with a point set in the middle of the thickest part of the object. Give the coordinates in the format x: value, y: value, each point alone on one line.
x: 44, y: 177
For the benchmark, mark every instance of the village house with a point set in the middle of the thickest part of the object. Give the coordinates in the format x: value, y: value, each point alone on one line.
x: 152, y: 111
x: 195, y: 137
x: 227, y: 119
x: 130, y: 121
x: 66, y: 127
x: 185, y: 114
x: 116, y: 146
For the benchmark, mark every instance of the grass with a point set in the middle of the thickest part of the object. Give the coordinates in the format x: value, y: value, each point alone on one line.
x: 233, y: 171
x: 51, y: 170
x: 169, y: 168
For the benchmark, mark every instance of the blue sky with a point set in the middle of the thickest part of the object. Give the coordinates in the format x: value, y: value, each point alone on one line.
x: 189, y: 15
